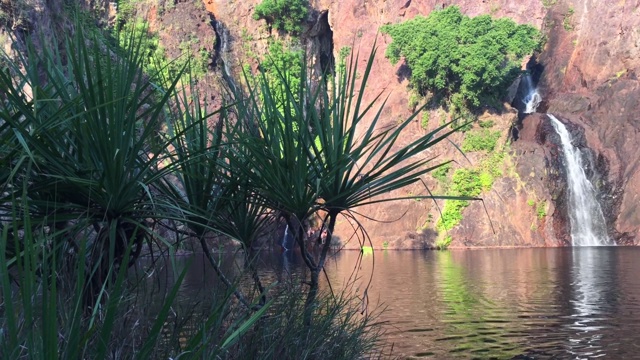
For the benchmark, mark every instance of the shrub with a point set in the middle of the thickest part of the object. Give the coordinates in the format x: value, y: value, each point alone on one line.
x: 486, y: 124
x: 470, y: 183
x: 339, y: 331
x: 465, y: 182
x: 566, y: 21
x: 281, y: 58
x: 541, y: 209
x: 443, y: 243
x: 424, y: 122
x: 441, y: 173
x: 282, y: 67
x: 414, y: 99
x: 447, y: 51
x: 493, y: 164
x: 156, y: 63
x: 486, y: 180
x: 480, y: 140
x: 342, y: 59
x: 287, y: 15
x: 451, y: 214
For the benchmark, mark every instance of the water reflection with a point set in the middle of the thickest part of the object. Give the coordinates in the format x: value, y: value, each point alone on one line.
x: 477, y: 321
x: 593, y: 289
x: 517, y: 303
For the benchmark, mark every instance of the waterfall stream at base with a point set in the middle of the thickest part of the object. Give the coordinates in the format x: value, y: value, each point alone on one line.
x: 588, y: 226
x: 532, y: 98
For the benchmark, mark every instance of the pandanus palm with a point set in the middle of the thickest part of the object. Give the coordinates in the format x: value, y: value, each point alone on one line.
x: 322, y: 152
x: 355, y: 162
x: 82, y: 123
x: 213, y: 196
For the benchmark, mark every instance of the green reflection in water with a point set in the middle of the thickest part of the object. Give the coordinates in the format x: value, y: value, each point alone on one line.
x: 476, y: 325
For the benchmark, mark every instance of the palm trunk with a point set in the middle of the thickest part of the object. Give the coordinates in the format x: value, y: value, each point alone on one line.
x: 309, y: 304
x: 216, y: 267
x: 256, y: 277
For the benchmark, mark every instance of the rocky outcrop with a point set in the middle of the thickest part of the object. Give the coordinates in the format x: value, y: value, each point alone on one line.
x: 590, y: 64
x: 521, y: 204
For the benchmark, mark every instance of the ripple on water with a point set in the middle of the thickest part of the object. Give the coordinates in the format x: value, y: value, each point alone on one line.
x: 522, y: 303
x: 493, y: 303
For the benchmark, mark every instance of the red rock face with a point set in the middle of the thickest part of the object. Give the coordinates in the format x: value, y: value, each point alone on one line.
x: 409, y: 223
x: 590, y: 78
x: 590, y: 65
x: 508, y: 220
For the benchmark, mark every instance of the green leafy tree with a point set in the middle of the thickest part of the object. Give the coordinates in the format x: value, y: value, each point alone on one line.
x: 447, y: 51
x: 287, y: 15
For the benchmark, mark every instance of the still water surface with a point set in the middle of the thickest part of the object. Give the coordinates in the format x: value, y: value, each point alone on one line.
x: 496, y: 303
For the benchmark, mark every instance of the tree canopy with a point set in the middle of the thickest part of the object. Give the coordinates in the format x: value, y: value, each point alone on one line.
x: 448, y: 51
x: 287, y: 15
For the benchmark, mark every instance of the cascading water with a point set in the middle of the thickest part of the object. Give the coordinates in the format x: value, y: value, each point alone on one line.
x: 224, y: 52
x: 285, y: 238
x: 588, y: 226
x: 531, y: 97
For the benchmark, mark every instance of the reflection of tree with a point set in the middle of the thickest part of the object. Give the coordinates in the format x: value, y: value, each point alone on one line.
x: 476, y: 324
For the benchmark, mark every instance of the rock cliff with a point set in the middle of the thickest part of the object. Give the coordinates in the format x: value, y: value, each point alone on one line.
x: 590, y: 72
x: 355, y: 24
x: 587, y: 75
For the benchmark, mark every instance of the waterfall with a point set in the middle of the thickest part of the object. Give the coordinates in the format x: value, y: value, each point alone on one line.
x: 224, y: 52
x: 284, y: 238
x: 588, y: 227
x: 531, y: 97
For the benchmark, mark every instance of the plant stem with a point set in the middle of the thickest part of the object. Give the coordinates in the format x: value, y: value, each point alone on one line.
x: 225, y: 280
x: 315, y: 272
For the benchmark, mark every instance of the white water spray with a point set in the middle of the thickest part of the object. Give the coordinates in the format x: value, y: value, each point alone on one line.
x: 284, y: 238
x: 588, y: 227
x: 531, y: 98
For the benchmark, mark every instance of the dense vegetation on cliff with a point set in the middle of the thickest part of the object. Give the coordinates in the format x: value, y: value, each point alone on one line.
x: 471, y: 60
x: 462, y: 64
x: 282, y: 63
